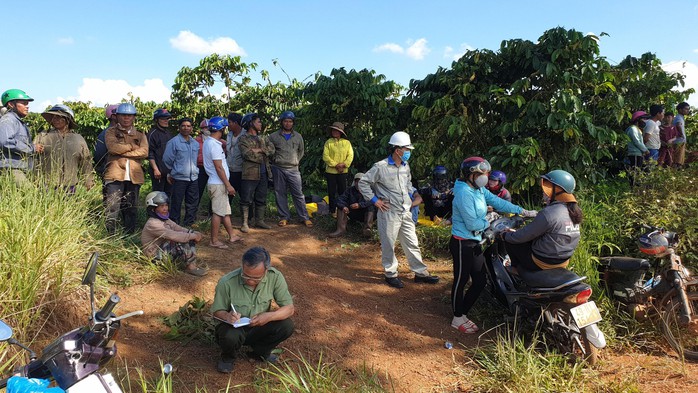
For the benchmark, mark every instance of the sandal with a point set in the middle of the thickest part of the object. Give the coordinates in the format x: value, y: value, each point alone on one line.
x: 221, y: 246
x: 468, y: 327
x: 236, y: 238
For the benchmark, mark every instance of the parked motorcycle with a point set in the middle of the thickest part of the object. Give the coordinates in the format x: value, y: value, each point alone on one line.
x: 74, y: 359
x: 557, y: 298
x: 670, y: 292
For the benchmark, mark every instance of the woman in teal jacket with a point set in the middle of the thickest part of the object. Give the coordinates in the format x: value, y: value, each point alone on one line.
x: 471, y: 199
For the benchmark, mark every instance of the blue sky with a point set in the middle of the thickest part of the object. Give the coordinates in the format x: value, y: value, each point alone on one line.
x: 99, y: 50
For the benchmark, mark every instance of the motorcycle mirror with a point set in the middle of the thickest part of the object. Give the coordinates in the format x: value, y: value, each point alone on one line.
x: 5, y: 331
x: 88, y: 278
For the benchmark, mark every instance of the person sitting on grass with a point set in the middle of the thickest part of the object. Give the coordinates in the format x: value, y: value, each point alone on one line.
x: 352, y: 205
x: 249, y: 292
x: 162, y: 237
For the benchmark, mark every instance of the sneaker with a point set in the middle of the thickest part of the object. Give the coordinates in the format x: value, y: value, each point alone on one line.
x: 426, y: 279
x: 283, y: 223
x: 308, y: 223
x: 394, y: 282
x: 196, y: 271
x: 225, y: 366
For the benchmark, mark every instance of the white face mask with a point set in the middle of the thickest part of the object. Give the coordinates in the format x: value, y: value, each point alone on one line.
x: 481, y: 181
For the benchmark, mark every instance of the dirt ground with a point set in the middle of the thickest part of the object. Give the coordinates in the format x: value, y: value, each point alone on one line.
x: 345, y: 312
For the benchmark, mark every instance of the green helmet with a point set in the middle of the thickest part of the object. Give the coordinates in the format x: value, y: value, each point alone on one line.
x: 561, y: 179
x: 14, y: 94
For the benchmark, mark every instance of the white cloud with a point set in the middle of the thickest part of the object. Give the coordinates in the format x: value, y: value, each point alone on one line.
x: 450, y: 53
x: 416, y: 50
x: 66, y: 41
x: 389, y: 47
x: 103, y: 91
x: 188, y: 42
x: 690, y: 70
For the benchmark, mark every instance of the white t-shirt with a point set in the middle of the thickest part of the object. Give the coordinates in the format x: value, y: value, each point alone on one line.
x: 652, y: 129
x: 213, y: 150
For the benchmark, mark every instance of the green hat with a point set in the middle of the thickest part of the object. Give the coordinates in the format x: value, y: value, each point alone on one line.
x: 14, y: 94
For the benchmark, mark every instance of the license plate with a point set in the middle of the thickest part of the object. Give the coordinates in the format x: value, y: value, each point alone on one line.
x: 586, y: 314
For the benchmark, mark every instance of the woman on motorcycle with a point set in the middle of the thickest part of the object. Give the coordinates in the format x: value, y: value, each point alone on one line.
x: 471, y: 199
x: 550, y: 240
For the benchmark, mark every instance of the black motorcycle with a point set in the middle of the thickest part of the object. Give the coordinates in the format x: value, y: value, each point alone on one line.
x: 669, y: 291
x: 74, y: 359
x: 555, y: 300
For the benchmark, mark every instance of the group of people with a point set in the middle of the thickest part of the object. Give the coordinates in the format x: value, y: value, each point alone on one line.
x: 244, y: 161
x: 657, y: 138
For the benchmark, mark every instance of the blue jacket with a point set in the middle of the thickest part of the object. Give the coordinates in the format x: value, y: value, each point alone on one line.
x: 470, y: 208
x: 180, y: 158
x: 15, y: 143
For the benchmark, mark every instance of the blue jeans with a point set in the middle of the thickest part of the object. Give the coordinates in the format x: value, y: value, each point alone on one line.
x: 654, y: 154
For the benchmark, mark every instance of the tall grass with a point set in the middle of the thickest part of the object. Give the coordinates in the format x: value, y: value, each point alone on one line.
x: 47, y: 236
x: 309, y: 377
x: 512, y: 365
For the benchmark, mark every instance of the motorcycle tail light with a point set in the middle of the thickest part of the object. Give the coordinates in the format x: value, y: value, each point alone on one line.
x: 579, y: 298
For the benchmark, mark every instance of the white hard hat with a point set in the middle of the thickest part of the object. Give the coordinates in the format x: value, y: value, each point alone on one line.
x: 156, y: 198
x: 402, y: 139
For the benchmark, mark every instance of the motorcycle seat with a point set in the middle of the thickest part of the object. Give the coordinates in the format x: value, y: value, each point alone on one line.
x: 548, y: 280
x: 625, y: 263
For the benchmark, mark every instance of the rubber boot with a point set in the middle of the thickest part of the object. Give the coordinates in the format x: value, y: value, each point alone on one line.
x: 245, y: 214
x: 342, y: 219
x: 259, y: 218
x: 368, y: 223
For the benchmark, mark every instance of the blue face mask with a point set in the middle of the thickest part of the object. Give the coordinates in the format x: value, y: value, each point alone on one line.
x: 406, y: 155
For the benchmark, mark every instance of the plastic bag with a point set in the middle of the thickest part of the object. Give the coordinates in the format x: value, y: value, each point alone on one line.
x: 30, y: 385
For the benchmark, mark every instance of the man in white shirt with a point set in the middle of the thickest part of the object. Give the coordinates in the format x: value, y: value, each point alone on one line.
x: 219, y: 186
x: 651, y: 131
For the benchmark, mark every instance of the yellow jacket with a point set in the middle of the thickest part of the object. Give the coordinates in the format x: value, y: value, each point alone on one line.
x: 337, y: 151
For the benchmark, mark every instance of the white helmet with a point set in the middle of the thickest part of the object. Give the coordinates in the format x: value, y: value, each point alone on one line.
x: 402, y: 139
x: 156, y: 198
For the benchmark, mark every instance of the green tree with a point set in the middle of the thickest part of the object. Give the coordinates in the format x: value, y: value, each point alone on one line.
x: 364, y: 101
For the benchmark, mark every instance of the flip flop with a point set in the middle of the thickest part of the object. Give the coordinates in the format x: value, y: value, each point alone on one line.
x: 221, y: 246
x: 235, y: 239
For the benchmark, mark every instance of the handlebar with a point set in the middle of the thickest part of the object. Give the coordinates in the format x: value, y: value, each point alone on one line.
x: 104, y: 313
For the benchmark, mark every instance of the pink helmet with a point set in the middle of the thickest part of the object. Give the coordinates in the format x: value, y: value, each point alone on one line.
x: 639, y: 115
x: 203, y: 124
x: 110, y: 110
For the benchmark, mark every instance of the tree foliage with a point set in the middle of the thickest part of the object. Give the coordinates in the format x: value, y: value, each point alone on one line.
x: 365, y: 102
x: 533, y: 106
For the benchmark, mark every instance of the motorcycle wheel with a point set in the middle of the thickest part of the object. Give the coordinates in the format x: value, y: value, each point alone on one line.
x: 569, y: 337
x: 682, y: 337
x: 590, y: 354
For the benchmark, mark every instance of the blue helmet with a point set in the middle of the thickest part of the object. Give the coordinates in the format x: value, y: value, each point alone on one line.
x: 217, y: 123
x: 287, y: 115
x: 247, y: 119
x: 126, y: 109
x: 161, y: 113
x: 439, y: 171
x: 499, y: 175
x: 562, y: 179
